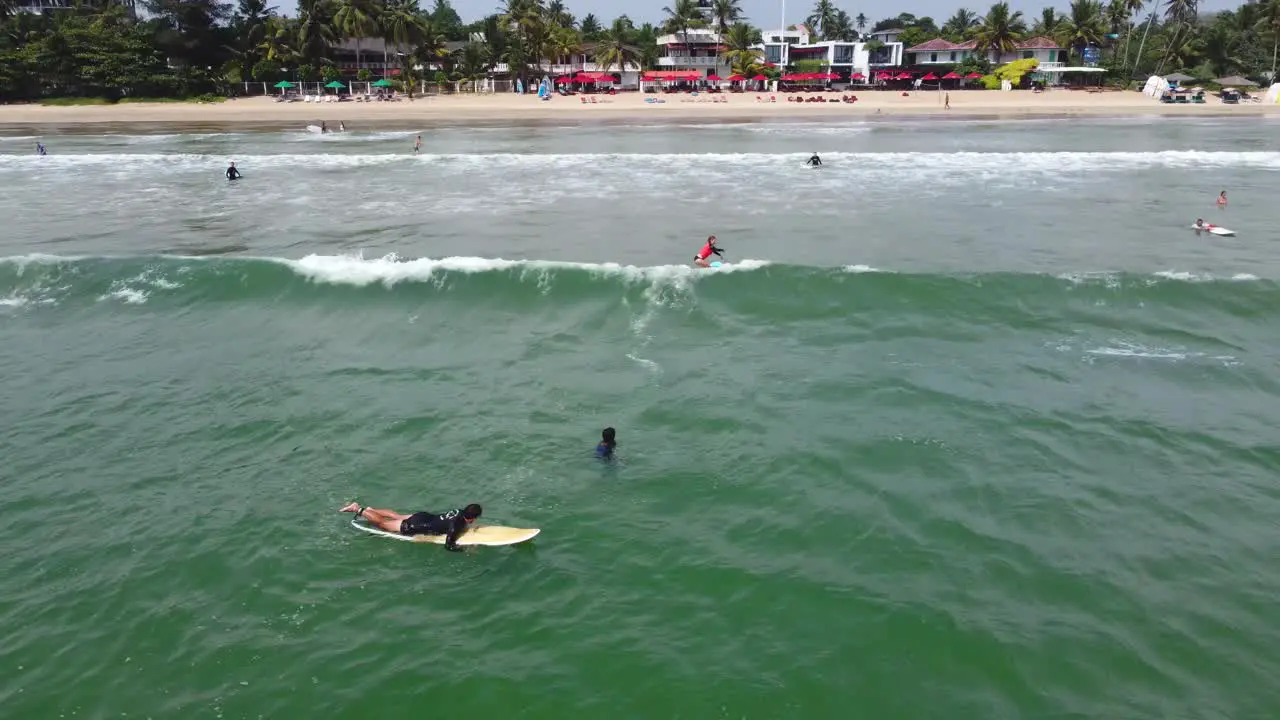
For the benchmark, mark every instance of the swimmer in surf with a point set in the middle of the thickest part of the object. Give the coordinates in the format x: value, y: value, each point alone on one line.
x: 417, y: 145
x: 706, y: 252
x: 323, y: 128
x: 1222, y: 199
x: 608, y: 441
x: 40, y: 148
x: 815, y: 161
x: 233, y: 173
x: 451, y: 524
x: 342, y: 127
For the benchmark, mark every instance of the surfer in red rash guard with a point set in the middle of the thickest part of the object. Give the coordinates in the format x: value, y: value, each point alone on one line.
x: 706, y: 252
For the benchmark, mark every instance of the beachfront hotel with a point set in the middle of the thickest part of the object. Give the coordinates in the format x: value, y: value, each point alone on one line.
x: 940, y: 51
x: 698, y: 51
x: 785, y: 47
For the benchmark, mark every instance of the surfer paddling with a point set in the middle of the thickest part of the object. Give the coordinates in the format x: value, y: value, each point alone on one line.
x: 451, y: 524
x: 701, y: 259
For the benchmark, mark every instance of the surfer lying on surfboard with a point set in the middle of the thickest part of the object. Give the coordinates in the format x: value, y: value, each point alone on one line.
x: 450, y: 524
x: 707, y: 251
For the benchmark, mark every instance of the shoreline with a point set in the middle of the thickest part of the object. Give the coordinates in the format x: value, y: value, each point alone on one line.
x: 624, y: 109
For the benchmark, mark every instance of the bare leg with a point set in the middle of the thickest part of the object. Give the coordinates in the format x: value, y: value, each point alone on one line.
x: 388, y: 520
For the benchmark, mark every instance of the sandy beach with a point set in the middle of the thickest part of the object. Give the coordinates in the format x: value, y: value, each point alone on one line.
x: 630, y: 107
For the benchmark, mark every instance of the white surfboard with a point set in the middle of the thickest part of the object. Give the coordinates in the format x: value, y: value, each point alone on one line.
x: 491, y: 535
x: 315, y: 129
x: 1215, y: 229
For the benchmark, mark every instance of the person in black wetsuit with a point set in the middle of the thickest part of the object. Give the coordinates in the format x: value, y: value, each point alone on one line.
x: 608, y: 441
x: 451, y: 524
x: 815, y: 161
x: 233, y: 173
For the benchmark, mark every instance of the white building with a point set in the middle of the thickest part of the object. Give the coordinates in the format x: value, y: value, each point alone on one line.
x: 698, y: 50
x: 786, y: 47
x: 944, y: 52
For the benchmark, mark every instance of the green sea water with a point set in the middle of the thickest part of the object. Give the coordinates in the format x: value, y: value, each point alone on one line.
x: 1030, y: 475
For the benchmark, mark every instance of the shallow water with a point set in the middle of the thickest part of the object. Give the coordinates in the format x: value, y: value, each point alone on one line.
x: 973, y: 427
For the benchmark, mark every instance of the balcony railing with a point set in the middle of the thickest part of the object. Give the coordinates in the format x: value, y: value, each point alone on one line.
x: 688, y: 61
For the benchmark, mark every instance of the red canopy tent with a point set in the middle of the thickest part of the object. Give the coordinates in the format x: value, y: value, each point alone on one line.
x: 759, y: 78
x: 857, y: 76
x: 672, y: 75
x: 930, y: 76
x: 714, y: 78
x: 586, y: 77
x: 903, y: 76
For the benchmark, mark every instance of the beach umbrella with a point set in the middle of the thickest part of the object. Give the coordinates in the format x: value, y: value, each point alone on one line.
x: 759, y: 78
x: 714, y: 78
x: 1235, y: 80
x: 1178, y: 78
x: 383, y: 83
x: 284, y: 84
x: 857, y: 76
x: 904, y: 76
x: 930, y: 76
x: 335, y: 85
x: 736, y: 78
x: 951, y: 76
x: 973, y: 76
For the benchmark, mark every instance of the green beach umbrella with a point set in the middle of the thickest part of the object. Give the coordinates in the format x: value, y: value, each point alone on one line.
x: 284, y: 84
x: 337, y: 85
x: 383, y: 83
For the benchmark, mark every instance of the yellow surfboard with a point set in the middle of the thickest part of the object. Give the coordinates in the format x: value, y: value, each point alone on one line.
x: 483, y: 535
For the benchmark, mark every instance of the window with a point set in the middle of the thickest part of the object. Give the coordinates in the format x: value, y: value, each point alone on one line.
x: 933, y: 57
x: 1053, y: 56
x: 953, y: 57
x: 1027, y: 54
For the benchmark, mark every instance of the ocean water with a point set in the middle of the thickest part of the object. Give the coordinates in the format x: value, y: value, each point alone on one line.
x: 972, y: 426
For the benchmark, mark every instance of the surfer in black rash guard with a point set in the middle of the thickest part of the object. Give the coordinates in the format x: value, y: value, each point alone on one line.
x: 451, y: 524
x: 815, y: 161
x: 233, y: 173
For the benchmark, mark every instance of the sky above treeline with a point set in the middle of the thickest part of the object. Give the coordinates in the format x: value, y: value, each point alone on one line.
x: 767, y: 14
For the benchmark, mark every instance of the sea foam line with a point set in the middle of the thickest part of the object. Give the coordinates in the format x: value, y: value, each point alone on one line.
x: 390, y: 269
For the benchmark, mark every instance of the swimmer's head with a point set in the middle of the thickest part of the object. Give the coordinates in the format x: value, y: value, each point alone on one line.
x: 471, y: 512
x: 608, y: 435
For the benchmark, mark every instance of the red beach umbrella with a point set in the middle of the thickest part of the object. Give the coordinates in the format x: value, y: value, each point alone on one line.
x: 736, y: 78
x: 930, y: 76
x: 951, y: 76
x: 759, y: 78
x: 714, y: 78
x: 973, y: 76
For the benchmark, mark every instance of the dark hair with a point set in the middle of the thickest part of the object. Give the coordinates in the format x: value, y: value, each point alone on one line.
x: 607, y: 435
x: 471, y: 512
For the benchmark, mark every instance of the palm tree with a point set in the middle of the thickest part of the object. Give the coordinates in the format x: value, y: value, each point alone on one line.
x: 1047, y: 25
x: 356, y: 20
x: 682, y: 18
x: 739, y: 44
x: 726, y: 12
x: 860, y: 22
x: 1000, y: 30
x: 402, y: 24
x: 1221, y: 49
x: 961, y: 24
x: 1181, y: 14
x: 1270, y: 24
x: 613, y: 48
x: 275, y: 46
x: 1083, y: 27
x: 558, y: 15
x: 590, y: 28
x: 315, y: 35
x: 823, y: 16
x: 842, y: 28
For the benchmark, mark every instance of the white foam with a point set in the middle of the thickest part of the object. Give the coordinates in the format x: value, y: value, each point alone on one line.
x: 127, y: 295
x: 13, y: 301
x: 859, y: 269
x: 390, y: 269
x: 922, y: 164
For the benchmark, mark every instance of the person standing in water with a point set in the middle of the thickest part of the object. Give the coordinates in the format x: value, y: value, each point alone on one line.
x: 608, y: 441
x: 417, y: 145
x: 1222, y: 200
x: 814, y: 161
x: 40, y: 148
x: 233, y: 173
